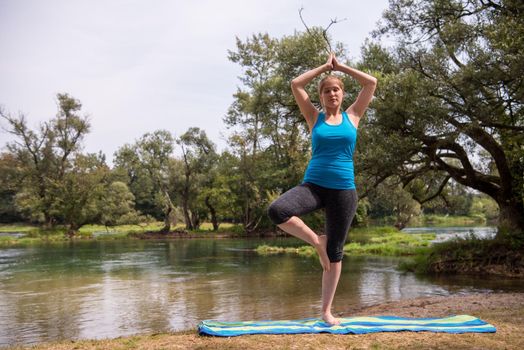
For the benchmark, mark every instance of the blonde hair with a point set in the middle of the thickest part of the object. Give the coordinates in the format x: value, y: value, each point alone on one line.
x: 324, y: 81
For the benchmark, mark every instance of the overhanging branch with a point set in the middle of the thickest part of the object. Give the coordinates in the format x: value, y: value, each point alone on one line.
x: 329, y: 49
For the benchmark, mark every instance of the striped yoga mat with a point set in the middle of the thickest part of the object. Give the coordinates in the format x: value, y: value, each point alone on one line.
x: 349, y: 325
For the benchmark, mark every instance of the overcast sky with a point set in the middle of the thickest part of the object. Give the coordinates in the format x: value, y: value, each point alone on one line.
x: 138, y: 66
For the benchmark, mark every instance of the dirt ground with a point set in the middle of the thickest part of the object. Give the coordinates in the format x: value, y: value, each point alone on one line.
x: 503, y: 310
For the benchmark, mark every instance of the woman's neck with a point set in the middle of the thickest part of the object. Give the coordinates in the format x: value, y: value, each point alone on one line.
x: 332, y: 112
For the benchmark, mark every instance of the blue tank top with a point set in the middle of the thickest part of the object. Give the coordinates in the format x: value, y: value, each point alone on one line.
x: 331, y: 163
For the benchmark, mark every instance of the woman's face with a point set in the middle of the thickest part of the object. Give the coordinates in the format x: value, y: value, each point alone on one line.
x: 332, y: 94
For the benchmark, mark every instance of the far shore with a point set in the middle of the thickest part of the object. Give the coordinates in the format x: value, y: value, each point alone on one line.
x: 503, y: 310
x: 25, y: 234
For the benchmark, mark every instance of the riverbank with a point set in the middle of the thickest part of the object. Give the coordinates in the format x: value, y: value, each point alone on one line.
x: 504, y: 310
x: 22, y: 234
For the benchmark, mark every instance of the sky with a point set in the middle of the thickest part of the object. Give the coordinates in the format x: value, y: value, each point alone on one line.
x: 140, y: 66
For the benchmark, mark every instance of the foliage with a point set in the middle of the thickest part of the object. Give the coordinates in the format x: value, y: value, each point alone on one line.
x: 450, y: 100
x: 45, y: 155
x: 10, y: 181
x: 485, y: 207
x: 389, y: 198
x: 502, y: 255
x: 75, y: 196
x: 198, y: 160
x: 118, y: 206
x: 146, y: 166
x: 54, y: 182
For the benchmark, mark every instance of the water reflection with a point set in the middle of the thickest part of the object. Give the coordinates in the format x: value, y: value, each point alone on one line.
x: 111, y: 289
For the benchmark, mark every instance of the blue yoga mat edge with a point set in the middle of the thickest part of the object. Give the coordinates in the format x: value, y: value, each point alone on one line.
x: 349, y: 325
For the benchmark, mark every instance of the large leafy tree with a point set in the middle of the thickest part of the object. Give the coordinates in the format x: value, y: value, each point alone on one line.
x: 46, y: 155
x: 76, y: 196
x: 51, y: 180
x: 450, y: 99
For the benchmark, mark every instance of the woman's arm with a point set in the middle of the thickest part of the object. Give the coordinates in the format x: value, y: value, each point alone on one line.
x: 365, y: 96
x: 298, y: 87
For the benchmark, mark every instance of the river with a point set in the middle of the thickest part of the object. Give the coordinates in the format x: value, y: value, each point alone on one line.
x: 107, y: 289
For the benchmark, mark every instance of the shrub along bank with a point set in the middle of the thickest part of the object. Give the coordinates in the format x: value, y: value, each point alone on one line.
x: 502, y: 255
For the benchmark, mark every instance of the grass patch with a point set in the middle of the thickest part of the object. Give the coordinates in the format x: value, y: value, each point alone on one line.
x: 384, y: 241
x: 17, y: 228
x: 36, y: 235
x: 302, y: 251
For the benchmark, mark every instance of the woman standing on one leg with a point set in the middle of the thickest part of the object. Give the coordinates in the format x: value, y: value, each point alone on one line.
x: 329, y: 178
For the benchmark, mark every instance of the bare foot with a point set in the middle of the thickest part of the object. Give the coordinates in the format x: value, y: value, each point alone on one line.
x: 322, y: 252
x: 330, y: 319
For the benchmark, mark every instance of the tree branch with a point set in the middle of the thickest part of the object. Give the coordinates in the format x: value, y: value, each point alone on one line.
x: 436, y: 194
x: 329, y: 49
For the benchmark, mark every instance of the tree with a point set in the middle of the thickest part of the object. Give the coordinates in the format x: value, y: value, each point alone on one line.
x: 45, y: 155
x: 76, y: 197
x: 390, y: 199
x: 10, y: 182
x: 117, y: 205
x: 450, y: 99
x: 244, y: 182
x: 146, y: 163
x: 130, y: 170
x: 198, y: 156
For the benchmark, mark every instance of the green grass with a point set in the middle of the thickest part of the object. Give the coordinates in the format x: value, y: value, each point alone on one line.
x: 35, y: 235
x: 302, y: 251
x: 17, y: 228
x: 384, y: 241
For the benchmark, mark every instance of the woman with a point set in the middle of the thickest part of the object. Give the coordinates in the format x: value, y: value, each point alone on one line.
x: 329, y: 178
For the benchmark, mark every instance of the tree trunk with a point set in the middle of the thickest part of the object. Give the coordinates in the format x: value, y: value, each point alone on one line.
x: 72, y: 229
x: 195, y: 221
x: 167, y: 220
x: 167, y: 215
x: 48, y: 220
x: 511, y: 219
x: 212, y: 211
x: 187, y: 216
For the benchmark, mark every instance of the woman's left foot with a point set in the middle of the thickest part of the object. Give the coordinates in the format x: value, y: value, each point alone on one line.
x: 330, y: 319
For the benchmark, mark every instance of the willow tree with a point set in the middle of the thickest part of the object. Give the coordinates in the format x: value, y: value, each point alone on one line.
x: 450, y: 99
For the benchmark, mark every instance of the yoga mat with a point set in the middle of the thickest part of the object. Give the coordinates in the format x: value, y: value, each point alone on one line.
x: 349, y: 325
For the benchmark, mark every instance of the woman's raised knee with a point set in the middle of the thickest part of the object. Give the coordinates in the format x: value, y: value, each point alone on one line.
x: 277, y: 213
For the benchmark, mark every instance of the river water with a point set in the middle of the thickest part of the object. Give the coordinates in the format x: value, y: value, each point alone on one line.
x: 107, y: 289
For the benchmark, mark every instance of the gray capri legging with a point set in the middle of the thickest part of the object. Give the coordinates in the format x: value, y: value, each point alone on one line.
x: 340, y: 207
